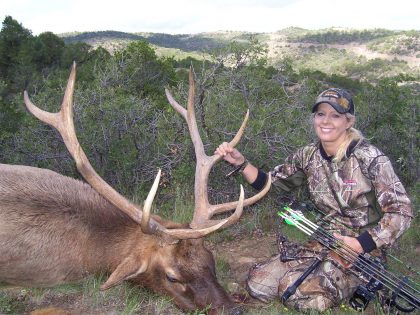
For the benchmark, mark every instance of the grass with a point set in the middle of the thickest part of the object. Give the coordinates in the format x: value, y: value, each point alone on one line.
x: 222, y: 266
x: 86, y: 296
x: 10, y: 304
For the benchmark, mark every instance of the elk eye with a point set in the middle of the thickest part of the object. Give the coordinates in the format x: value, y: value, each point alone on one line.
x: 171, y: 278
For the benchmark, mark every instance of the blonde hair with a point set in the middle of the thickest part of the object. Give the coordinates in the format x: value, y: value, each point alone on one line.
x: 352, y: 134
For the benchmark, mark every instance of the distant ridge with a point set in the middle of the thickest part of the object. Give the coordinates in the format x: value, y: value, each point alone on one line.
x: 328, y: 50
x: 80, y: 37
x: 201, y: 42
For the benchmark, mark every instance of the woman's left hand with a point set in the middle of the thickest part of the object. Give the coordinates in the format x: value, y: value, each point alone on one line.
x: 351, y: 242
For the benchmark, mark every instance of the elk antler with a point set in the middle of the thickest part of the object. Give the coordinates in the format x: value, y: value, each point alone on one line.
x: 203, y: 210
x: 63, y: 122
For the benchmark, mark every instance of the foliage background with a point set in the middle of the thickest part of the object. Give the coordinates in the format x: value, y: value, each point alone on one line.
x: 128, y: 129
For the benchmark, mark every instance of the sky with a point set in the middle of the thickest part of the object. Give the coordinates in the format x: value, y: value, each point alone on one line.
x: 196, y: 16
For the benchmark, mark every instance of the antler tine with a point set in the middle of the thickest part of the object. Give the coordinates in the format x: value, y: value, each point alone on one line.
x: 203, y: 211
x: 220, y: 208
x: 237, y: 137
x: 145, y: 219
x: 63, y: 122
x: 181, y: 110
x: 236, y: 215
x: 192, y: 122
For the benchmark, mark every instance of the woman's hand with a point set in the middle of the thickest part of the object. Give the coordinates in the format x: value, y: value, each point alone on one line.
x: 351, y: 242
x: 230, y: 154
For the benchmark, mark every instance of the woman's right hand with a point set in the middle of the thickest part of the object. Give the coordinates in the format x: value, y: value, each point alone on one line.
x: 230, y: 154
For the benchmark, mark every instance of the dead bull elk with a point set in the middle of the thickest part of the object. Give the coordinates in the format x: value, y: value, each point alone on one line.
x: 55, y: 229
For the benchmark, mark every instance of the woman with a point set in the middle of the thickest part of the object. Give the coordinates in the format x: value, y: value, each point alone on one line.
x: 352, y: 182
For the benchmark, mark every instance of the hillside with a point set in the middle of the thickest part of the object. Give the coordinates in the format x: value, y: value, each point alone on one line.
x: 129, y: 131
x: 359, y: 54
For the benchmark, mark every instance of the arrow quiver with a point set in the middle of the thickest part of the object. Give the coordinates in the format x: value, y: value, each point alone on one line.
x: 292, y: 251
x: 293, y: 287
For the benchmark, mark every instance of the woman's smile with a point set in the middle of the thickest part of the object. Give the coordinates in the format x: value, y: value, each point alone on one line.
x: 330, y: 127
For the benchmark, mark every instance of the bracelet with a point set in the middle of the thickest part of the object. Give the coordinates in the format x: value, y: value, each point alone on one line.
x: 239, y: 169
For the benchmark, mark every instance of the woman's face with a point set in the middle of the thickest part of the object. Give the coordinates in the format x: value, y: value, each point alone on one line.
x: 330, y: 125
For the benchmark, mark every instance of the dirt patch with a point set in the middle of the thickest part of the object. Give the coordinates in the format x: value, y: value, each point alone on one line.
x: 242, y: 254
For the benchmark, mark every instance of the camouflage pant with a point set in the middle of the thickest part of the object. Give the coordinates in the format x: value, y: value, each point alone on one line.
x: 325, y: 287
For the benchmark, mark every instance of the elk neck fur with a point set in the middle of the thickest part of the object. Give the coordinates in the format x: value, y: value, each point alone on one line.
x: 64, y: 222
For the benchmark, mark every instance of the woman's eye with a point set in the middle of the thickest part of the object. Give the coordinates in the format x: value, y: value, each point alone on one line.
x: 171, y: 279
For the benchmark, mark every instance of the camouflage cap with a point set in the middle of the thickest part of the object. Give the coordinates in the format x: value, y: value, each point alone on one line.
x: 337, y: 98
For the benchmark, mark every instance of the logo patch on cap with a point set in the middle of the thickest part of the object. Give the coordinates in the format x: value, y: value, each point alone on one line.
x: 337, y: 98
x: 343, y: 102
x: 331, y: 93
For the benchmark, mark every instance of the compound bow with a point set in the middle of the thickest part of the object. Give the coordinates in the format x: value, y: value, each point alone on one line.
x: 364, y: 266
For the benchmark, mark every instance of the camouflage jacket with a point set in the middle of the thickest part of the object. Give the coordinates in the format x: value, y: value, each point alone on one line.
x: 362, y: 191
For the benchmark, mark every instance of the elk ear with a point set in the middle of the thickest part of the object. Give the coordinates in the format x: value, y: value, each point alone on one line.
x: 127, y: 269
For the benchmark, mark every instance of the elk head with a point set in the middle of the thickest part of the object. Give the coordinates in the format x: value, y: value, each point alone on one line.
x: 164, y: 256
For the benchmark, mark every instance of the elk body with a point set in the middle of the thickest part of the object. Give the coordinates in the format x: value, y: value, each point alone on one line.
x: 55, y: 229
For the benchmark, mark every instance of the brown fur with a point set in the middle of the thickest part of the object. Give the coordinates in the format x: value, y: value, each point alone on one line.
x: 55, y: 229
